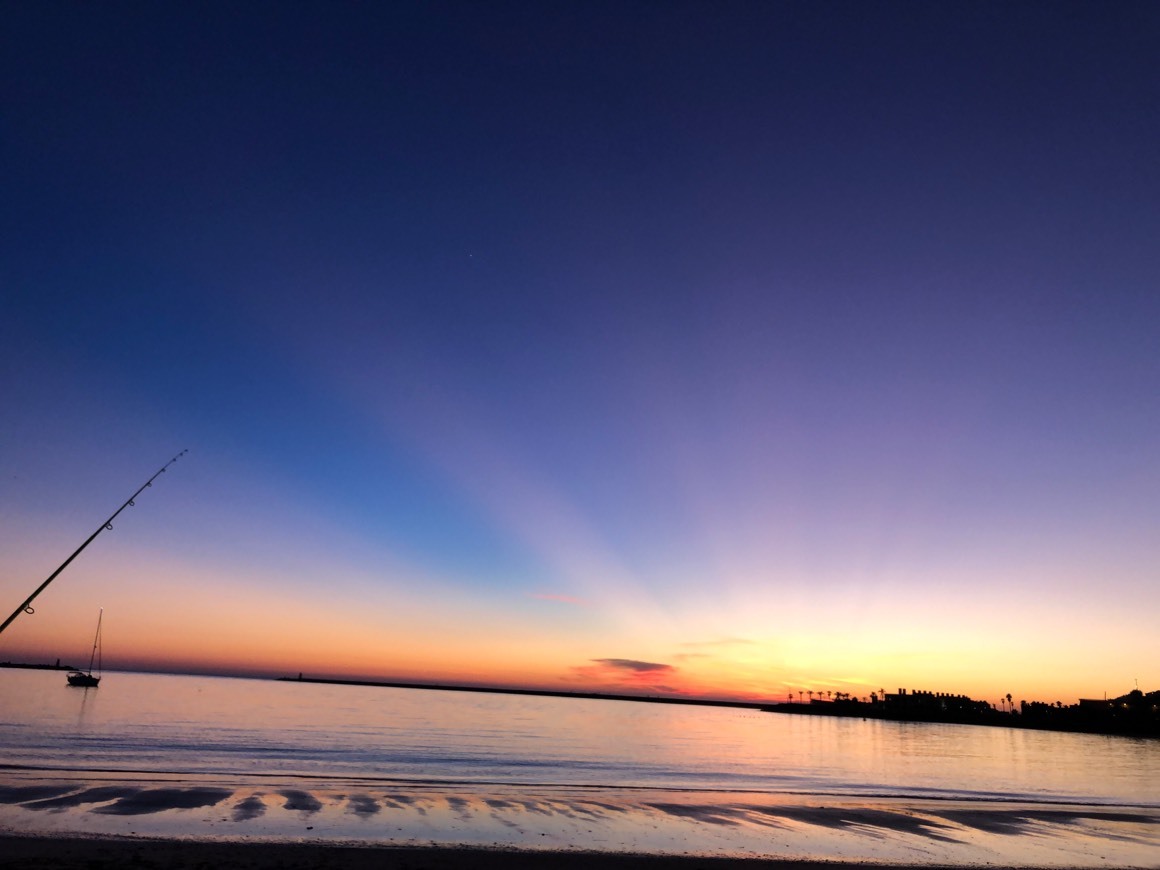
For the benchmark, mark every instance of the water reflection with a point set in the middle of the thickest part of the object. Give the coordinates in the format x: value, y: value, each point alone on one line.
x: 224, y: 727
x: 1020, y: 821
x: 83, y: 708
x: 302, y: 801
x: 460, y: 806
x: 156, y: 800
x: 249, y: 808
x: 861, y: 818
x: 98, y: 795
x: 15, y: 794
x: 363, y: 805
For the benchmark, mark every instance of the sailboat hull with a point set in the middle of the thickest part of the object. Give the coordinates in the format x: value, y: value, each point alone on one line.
x: 86, y: 678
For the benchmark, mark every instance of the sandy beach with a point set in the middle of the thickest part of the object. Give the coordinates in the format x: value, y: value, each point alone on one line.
x: 116, y: 821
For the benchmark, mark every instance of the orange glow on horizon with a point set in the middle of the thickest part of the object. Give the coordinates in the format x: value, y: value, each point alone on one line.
x: 196, y: 617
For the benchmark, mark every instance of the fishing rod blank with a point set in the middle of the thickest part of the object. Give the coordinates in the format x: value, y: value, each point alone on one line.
x: 26, y: 607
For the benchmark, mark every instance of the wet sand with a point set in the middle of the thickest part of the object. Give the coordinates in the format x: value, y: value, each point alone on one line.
x: 57, y: 820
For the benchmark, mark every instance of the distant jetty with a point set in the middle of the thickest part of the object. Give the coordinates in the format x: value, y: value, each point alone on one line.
x: 29, y: 667
x: 547, y: 693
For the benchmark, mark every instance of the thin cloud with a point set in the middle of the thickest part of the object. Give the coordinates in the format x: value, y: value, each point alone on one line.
x: 566, y: 599
x: 725, y: 641
x: 707, y: 649
x: 635, y: 666
x: 614, y: 674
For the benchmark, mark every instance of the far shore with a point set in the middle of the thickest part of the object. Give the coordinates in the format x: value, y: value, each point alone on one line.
x: 850, y: 709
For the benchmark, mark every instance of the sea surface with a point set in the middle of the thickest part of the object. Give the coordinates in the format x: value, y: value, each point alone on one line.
x: 268, y: 757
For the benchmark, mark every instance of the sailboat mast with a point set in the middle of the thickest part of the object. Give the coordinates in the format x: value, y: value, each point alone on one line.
x: 26, y: 605
x: 96, y: 642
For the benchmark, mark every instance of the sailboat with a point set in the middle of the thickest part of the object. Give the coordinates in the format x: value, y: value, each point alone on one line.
x: 83, y: 678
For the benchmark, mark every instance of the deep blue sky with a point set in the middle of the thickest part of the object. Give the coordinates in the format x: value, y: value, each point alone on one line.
x: 837, y: 304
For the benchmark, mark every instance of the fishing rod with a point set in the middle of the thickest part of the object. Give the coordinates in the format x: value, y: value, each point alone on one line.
x: 26, y: 606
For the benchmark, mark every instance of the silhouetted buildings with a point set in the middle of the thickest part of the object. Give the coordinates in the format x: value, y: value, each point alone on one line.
x: 1135, y: 713
x: 933, y: 705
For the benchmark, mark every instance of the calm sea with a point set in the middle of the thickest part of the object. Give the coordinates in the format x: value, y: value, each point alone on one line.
x: 156, y: 724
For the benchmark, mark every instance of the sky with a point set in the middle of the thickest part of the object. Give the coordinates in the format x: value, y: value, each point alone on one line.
x: 721, y: 349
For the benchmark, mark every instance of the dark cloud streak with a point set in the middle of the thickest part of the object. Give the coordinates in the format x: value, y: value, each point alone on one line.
x: 635, y: 666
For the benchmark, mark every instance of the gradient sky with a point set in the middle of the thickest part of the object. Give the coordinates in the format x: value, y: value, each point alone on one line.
x: 713, y: 348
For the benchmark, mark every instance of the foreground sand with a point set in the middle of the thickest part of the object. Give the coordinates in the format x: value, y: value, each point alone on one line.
x: 92, y: 853
x: 52, y: 819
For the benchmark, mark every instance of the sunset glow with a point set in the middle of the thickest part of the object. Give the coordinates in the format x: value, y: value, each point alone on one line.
x: 741, y: 364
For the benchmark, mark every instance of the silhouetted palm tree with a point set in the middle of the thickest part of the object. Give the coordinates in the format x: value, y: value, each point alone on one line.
x: 810, y: 692
x: 1010, y: 707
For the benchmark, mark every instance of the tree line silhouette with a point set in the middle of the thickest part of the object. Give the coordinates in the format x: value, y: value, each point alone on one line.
x: 1136, y: 713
